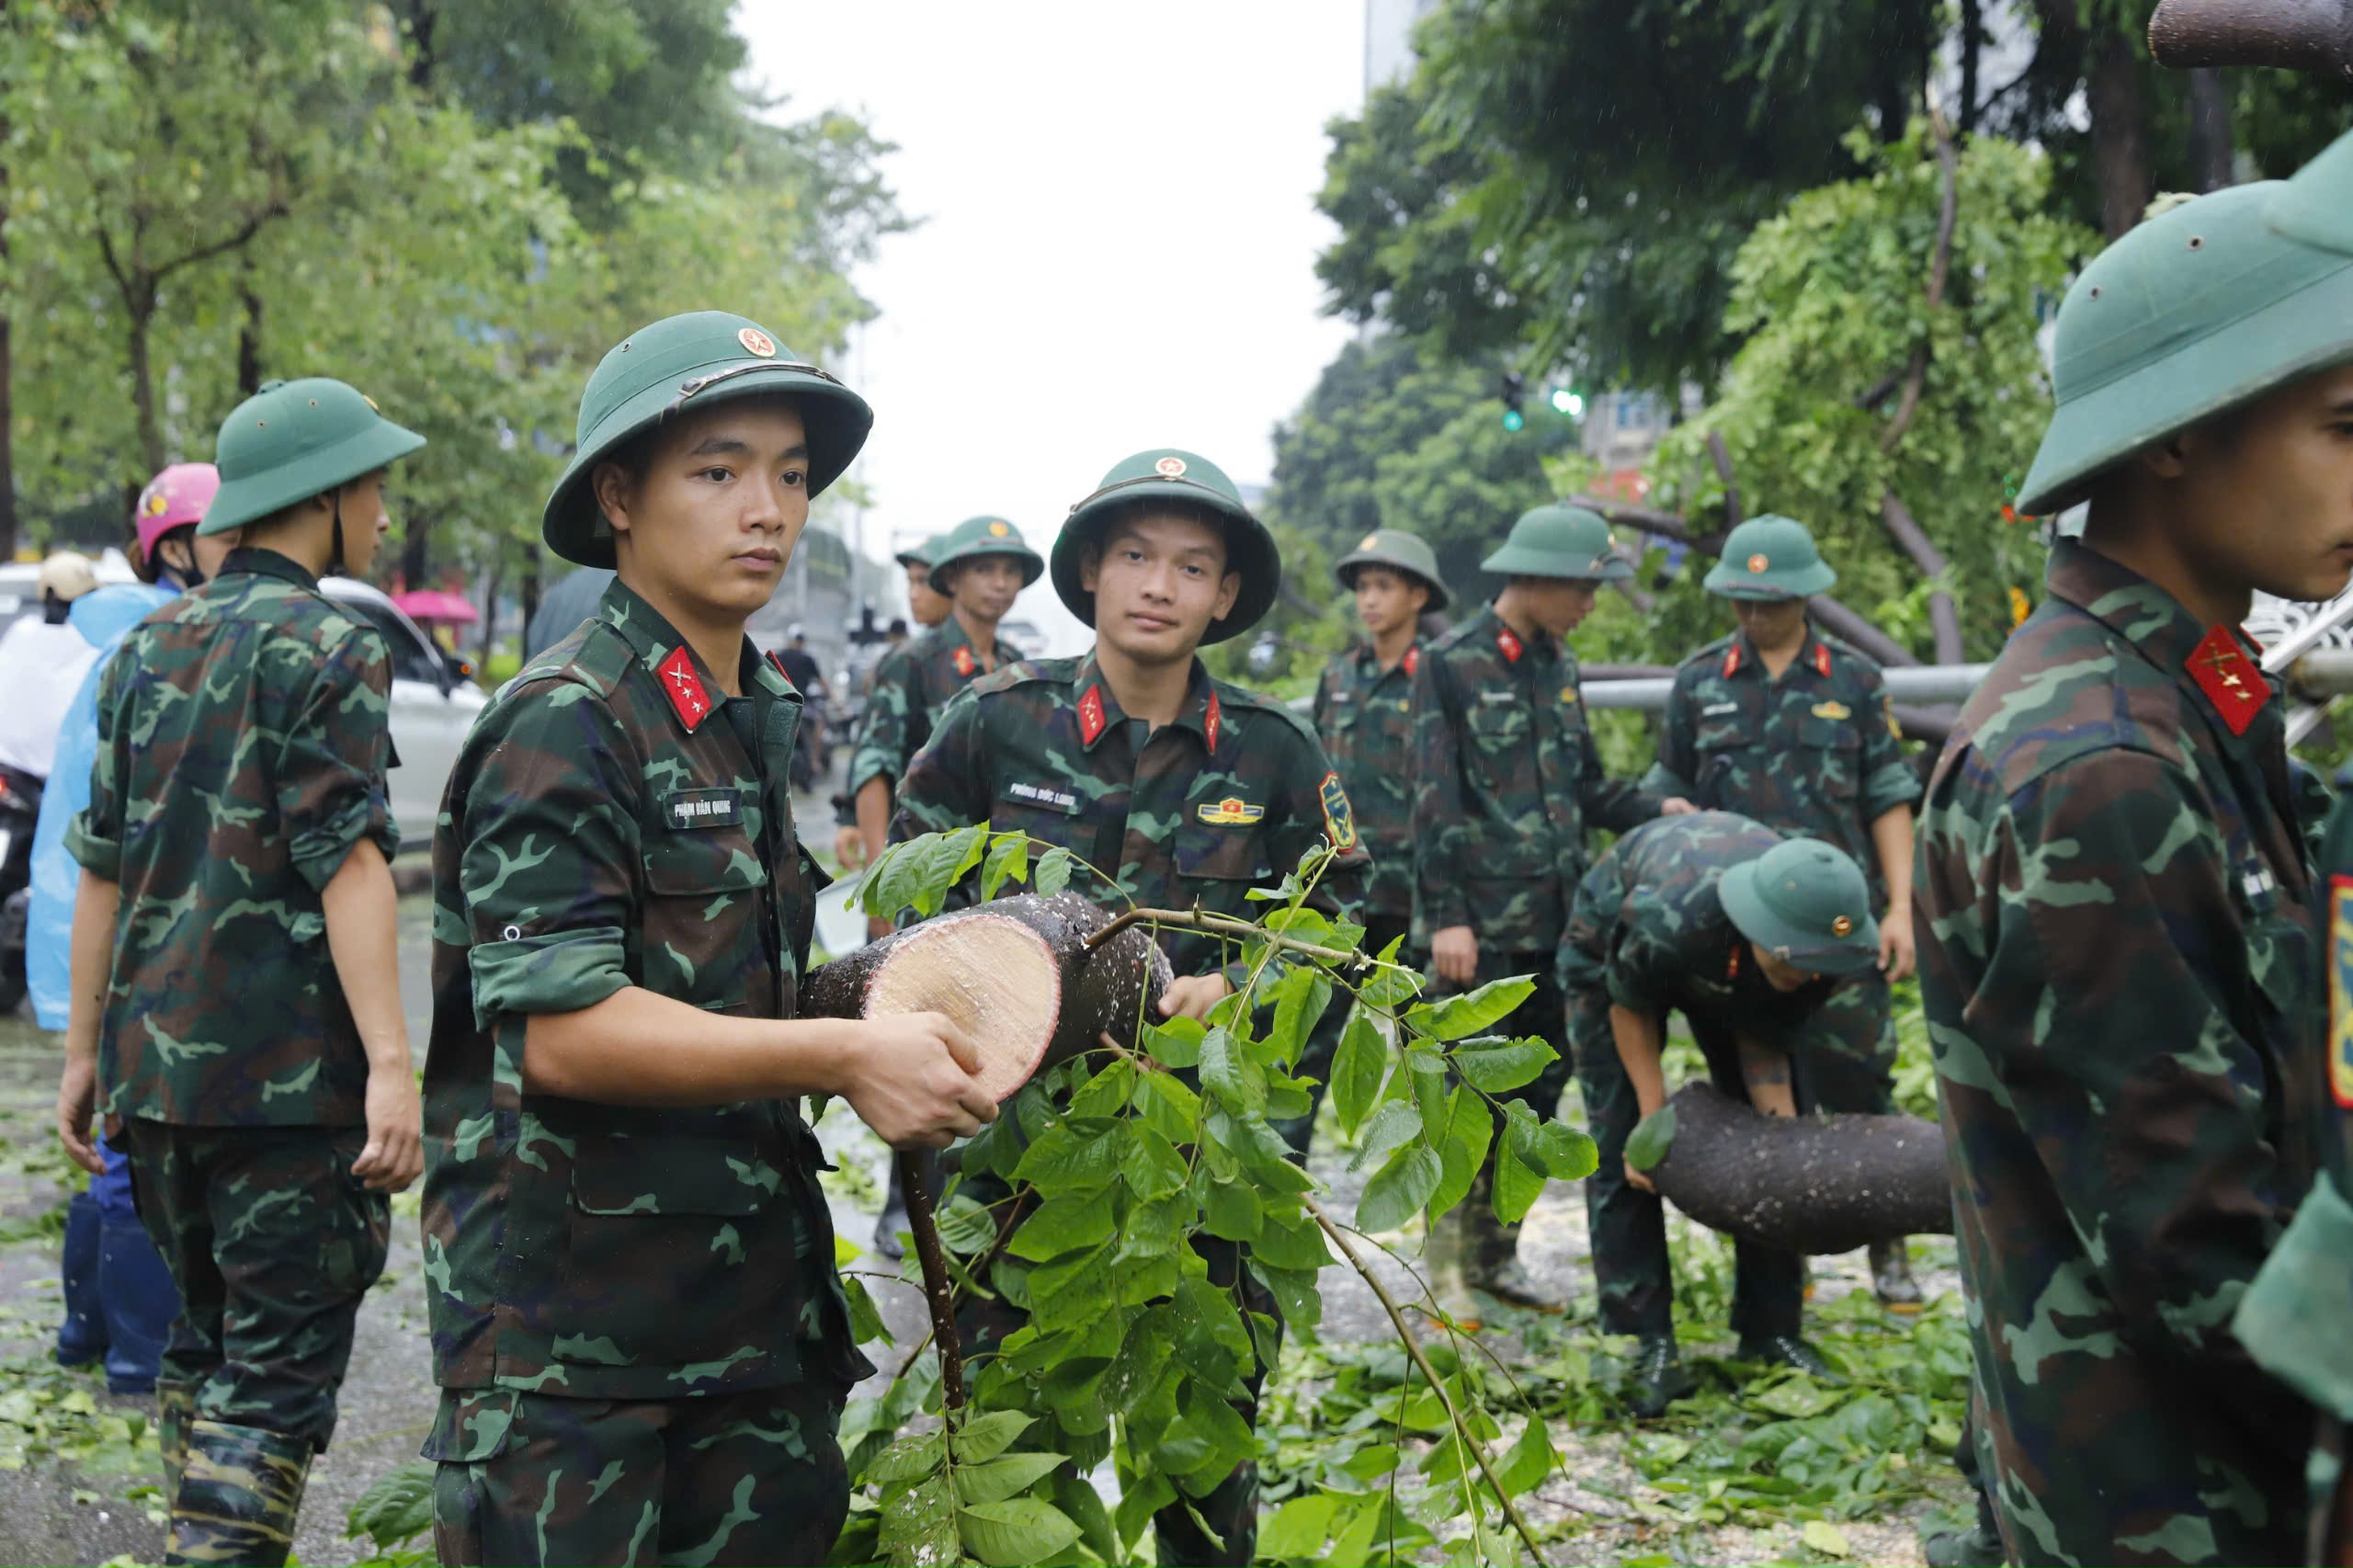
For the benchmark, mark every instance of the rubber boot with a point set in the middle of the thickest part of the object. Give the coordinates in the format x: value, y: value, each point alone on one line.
x: 1658, y: 1379
x: 1892, y: 1278
x: 141, y: 1303
x: 1442, y: 1263
x: 81, y: 1337
x: 175, y: 1413
x: 1491, y: 1252
x: 238, y: 1499
x: 1980, y: 1546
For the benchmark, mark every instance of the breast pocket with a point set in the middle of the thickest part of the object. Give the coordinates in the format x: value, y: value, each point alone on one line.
x: 1833, y: 752
x: 1226, y: 856
x: 702, y: 940
x: 1501, y: 748
x: 661, y: 1230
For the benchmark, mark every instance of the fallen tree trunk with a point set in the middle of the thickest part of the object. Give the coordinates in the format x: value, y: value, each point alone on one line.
x: 1016, y: 974
x: 1810, y: 1184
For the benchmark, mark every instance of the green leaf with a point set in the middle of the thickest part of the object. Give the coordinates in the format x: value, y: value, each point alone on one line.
x: 1503, y: 1066
x: 1396, y: 1123
x: 1520, y: 1169
x: 1530, y: 1461
x: 1230, y: 1211
x: 1458, y: 1018
x: 1061, y: 1226
x: 866, y: 1323
x: 1153, y: 1167
x: 1177, y: 1043
x: 1470, y: 1128
x: 1105, y: 1095
x: 1825, y: 1538
x: 1016, y: 1532
x: 1008, y: 860
x: 1297, y: 1528
x: 1399, y: 1189
x: 1227, y: 1073
x: 909, y: 1458
x: 1292, y: 1241
x: 982, y: 1438
x: 1006, y: 1476
x: 1651, y: 1137
x: 1357, y: 1070
x: 1299, y: 1002
x: 965, y: 1226
x: 398, y: 1507
x: 920, y: 1526
x: 1054, y: 873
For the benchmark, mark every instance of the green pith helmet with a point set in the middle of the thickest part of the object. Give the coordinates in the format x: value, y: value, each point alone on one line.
x: 293, y: 441
x: 919, y: 554
x: 1770, y: 557
x: 1400, y: 551
x: 1805, y: 902
x: 2201, y: 310
x: 682, y: 362
x: 1171, y: 473
x: 976, y: 537
x: 1559, y: 540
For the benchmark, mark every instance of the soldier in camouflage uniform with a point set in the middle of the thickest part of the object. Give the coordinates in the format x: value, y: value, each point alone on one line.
x: 926, y: 605
x: 929, y: 607
x: 1186, y: 790
x: 1507, y: 779
x: 251, y: 1043
x: 643, y: 1344
x: 1364, y: 711
x: 1784, y: 723
x: 2120, y: 979
x: 1747, y: 935
x: 2293, y: 1319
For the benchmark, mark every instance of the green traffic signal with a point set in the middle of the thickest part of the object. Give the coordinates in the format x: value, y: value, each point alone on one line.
x: 1512, y: 419
x: 1565, y: 401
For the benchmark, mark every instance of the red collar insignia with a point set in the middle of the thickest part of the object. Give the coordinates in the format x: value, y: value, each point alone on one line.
x: 2229, y: 679
x: 1413, y: 660
x: 1820, y: 658
x: 1508, y: 643
x: 684, y: 688
x: 965, y: 662
x: 1732, y: 970
x: 1090, y: 715
x: 1732, y: 659
x: 1209, y: 722
x: 778, y: 663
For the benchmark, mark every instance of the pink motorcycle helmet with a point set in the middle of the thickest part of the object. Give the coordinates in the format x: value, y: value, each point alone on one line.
x: 175, y: 498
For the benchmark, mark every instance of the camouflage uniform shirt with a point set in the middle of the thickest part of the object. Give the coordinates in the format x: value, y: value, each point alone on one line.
x: 910, y: 686
x: 2117, y: 965
x: 1649, y: 928
x: 615, y: 821
x: 1814, y: 753
x: 1364, y: 715
x: 1508, y: 781
x: 241, y: 749
x: 1226, y: 798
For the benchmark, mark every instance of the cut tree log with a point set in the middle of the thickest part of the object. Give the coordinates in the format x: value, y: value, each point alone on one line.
x: 1016, y: 975
x: 1809, y: 1184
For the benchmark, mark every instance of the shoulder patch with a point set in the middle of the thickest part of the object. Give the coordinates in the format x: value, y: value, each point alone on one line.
x: 1339, y: 817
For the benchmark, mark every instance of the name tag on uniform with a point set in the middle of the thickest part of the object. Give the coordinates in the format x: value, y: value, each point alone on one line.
x: 702, y: 807
x: 1039, y: 795
x: 1717, y: 709
x: 2259, y: 881
x: 1500, y: 697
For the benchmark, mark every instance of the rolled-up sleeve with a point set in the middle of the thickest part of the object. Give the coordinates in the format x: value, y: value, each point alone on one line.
x: 95, y: 835
x: 331, y: 760
x: 550, y: 824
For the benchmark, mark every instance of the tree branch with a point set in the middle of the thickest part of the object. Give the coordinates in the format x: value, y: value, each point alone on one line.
x: 1413, y: 1349
x: 1939, y: 269
x: 1849, y: 624
x: 939, y: 1288
x: 1722, y: 457
x: 244, y: 233
x: 1943, y: 618
x: 1223, y: 925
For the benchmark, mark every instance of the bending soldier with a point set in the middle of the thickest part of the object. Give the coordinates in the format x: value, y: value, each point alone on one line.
x: 1749, y: 936
x: 1784, y: 723
x: 239, y: 833
x: 2119, y: 980
x: 1508, y: 781
x: 643, y: 1346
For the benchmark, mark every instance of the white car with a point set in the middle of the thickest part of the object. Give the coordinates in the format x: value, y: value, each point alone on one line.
x: 434, y: 703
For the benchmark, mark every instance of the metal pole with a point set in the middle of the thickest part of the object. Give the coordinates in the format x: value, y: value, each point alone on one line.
x: 1917, y: 684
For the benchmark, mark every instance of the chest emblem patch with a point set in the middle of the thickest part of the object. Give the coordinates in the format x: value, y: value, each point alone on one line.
x: 1339, y: 817
x: 964, y: 662
x: 1232, y: 812
x: 1833, y: 711
x: 683, y: 809
x: 2340, y: 989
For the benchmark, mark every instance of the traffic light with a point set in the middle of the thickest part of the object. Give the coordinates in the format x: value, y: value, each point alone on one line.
x: 1566, y: 402
x: 1513, y: 387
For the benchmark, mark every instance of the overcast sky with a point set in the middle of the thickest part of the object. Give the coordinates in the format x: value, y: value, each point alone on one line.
x: 1117, y: 237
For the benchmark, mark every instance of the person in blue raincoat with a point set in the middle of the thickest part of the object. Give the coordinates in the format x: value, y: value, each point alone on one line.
x: 120, y: 1302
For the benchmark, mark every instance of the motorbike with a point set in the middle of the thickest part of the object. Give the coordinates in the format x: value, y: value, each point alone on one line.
x: 19, y: 810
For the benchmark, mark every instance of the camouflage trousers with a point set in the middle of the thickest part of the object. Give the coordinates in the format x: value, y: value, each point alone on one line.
x: 273, y: 1244
x: 1628, y: 1226
x: 743, y: 1478
x: 1232, y: 1508
x: 1323, y: 1039
x: 1849, y: 1048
